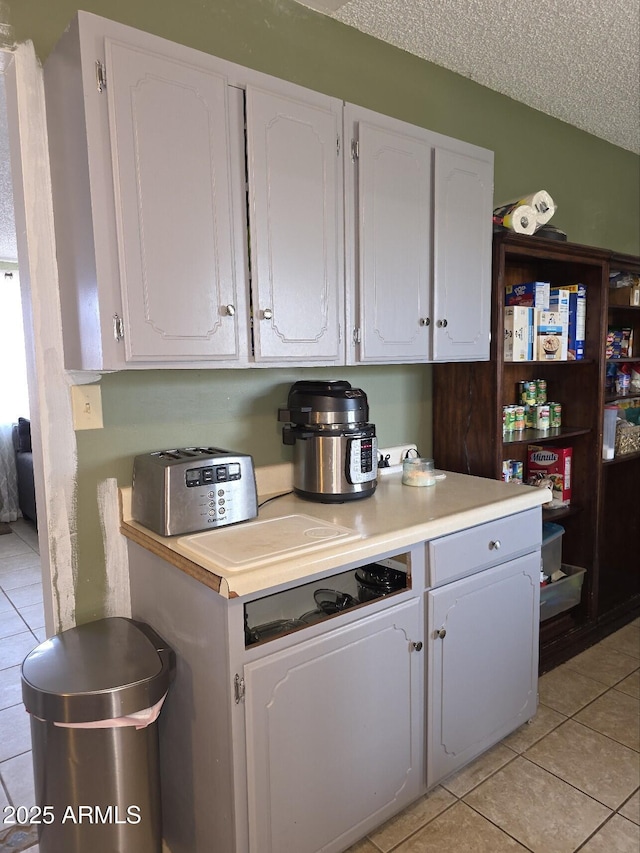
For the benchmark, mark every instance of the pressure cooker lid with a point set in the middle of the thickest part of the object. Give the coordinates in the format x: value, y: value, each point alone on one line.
x: 313, y: 401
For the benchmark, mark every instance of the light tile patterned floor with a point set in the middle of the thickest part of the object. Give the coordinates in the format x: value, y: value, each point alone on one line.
x: 569, y: 781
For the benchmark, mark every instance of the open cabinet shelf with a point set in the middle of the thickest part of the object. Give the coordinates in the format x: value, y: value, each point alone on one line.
x: 468, y: 437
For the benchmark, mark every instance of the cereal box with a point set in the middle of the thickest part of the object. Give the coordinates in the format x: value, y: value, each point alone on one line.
x: 550, y: 467
x: 531, y: 294
x: 518, y: 333
x: 551, y: 336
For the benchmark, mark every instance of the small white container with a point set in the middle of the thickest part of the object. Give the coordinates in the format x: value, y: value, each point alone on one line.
x: 609, y: 432
x: 418, y: 472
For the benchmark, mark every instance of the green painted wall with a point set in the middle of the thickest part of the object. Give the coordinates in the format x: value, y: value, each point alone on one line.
x: 596, y: 187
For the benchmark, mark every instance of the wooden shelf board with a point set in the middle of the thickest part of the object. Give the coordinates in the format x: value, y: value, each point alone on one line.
x: 529, y: 436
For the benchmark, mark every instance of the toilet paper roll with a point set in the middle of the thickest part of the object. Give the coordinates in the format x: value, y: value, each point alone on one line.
x: 520, y: 218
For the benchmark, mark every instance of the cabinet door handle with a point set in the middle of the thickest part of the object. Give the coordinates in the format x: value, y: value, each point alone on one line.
x: 267, y: 314
x: 441, y: 633
x: 230, y: 310
x: 441, y: 324
x: 417, y: 646
x: 425, y: 321
x: 494, y: 545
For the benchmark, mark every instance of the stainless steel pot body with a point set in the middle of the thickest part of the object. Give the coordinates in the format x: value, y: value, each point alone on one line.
x: 332, y: 465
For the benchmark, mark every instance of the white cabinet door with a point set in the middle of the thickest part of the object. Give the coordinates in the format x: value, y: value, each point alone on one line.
x: 391, y: 211
x: 335, y: 734
x: 482, y: 661
x: 296, y: 226
x: 463, y: 202
x: 174, y: 208
x: 148, y: 194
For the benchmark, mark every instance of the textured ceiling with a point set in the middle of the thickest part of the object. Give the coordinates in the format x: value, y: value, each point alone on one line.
x: 577, y: 60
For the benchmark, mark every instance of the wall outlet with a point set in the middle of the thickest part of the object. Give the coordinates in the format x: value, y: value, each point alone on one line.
x: 86, y: 405
x: 396, y: 455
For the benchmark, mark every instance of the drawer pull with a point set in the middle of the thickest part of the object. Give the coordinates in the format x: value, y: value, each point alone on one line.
x: 441, y: 633
x: 494, y: 545
x: 417, y: 646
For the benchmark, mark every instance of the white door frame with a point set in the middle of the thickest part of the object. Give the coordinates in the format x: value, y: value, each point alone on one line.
x: 53, y: 438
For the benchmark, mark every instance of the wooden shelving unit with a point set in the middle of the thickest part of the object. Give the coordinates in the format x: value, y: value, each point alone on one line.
x: 468, y: 437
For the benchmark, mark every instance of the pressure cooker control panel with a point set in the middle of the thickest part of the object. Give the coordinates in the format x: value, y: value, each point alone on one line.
x: 362, y: 460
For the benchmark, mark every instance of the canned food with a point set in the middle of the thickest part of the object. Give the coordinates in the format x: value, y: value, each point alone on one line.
x: 541, y: 390
x: 519, y: 418
x: 528, y: 392
x: 542, y: 416
x: 555, y: 414
x: 530, y: 416
x: 506, y: 470
x: 509, y: 420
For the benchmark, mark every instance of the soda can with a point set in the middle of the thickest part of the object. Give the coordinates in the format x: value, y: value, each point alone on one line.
x: 519, y: 418
x: 509, y: 421
x: 541, y: 390
x: 555, y: 414
x: 517, y: 470
x: 542, y: 416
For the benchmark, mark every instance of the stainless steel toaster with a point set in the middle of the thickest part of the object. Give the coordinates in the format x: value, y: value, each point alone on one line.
x: 193, y: 488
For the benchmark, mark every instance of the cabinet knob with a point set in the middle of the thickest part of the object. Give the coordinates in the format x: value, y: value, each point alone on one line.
x: 230, y: 310
x: 441, y: 633
x: 494, y: 545
x: 425, y: 321
x: 442, y: 324
x: 267, y: 314
x: 417, y: 646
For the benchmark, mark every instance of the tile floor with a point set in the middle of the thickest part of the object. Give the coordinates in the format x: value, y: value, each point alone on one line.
x: 21, y: 629
x: 569, y: 781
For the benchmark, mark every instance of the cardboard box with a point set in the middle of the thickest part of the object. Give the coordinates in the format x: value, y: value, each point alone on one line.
x: 550, y: 467
x: 559, y: 302
x: 518, y: 333
x: 551, y: 336
x: 577, y: 319
x: 530, y: 294
x: 625, y: 295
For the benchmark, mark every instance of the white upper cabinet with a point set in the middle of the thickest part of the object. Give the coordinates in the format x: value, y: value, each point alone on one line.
x: 463, y: 202
x: 204, y: 212
x: 294, y: 172
x: 388, y: 164
x: 148, y: 200
x: 419, y: 263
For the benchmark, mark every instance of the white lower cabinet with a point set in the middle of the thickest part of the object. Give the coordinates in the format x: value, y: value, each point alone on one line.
x: 482, y: 661
x: 334, y: 733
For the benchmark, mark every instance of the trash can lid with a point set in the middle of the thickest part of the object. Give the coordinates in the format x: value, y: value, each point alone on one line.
x: 98, y: 671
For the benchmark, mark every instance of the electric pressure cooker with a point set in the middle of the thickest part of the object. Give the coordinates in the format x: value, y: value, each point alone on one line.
x: 335, y: 450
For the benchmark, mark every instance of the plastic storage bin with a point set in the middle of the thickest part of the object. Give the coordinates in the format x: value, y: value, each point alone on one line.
x: 94, y: 694
x: 563, y: 594
x: 551, y: 547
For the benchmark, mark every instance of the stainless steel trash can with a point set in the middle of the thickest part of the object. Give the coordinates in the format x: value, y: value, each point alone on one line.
x: 93, y: 693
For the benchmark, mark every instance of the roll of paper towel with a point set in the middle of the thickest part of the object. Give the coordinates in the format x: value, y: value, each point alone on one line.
x: 541, y: 205
x: 520, y: 218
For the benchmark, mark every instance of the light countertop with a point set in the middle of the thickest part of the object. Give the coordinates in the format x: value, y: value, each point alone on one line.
x: 395, y: 517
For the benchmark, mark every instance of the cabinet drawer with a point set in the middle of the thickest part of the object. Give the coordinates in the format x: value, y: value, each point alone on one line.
x: 461, y: 554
